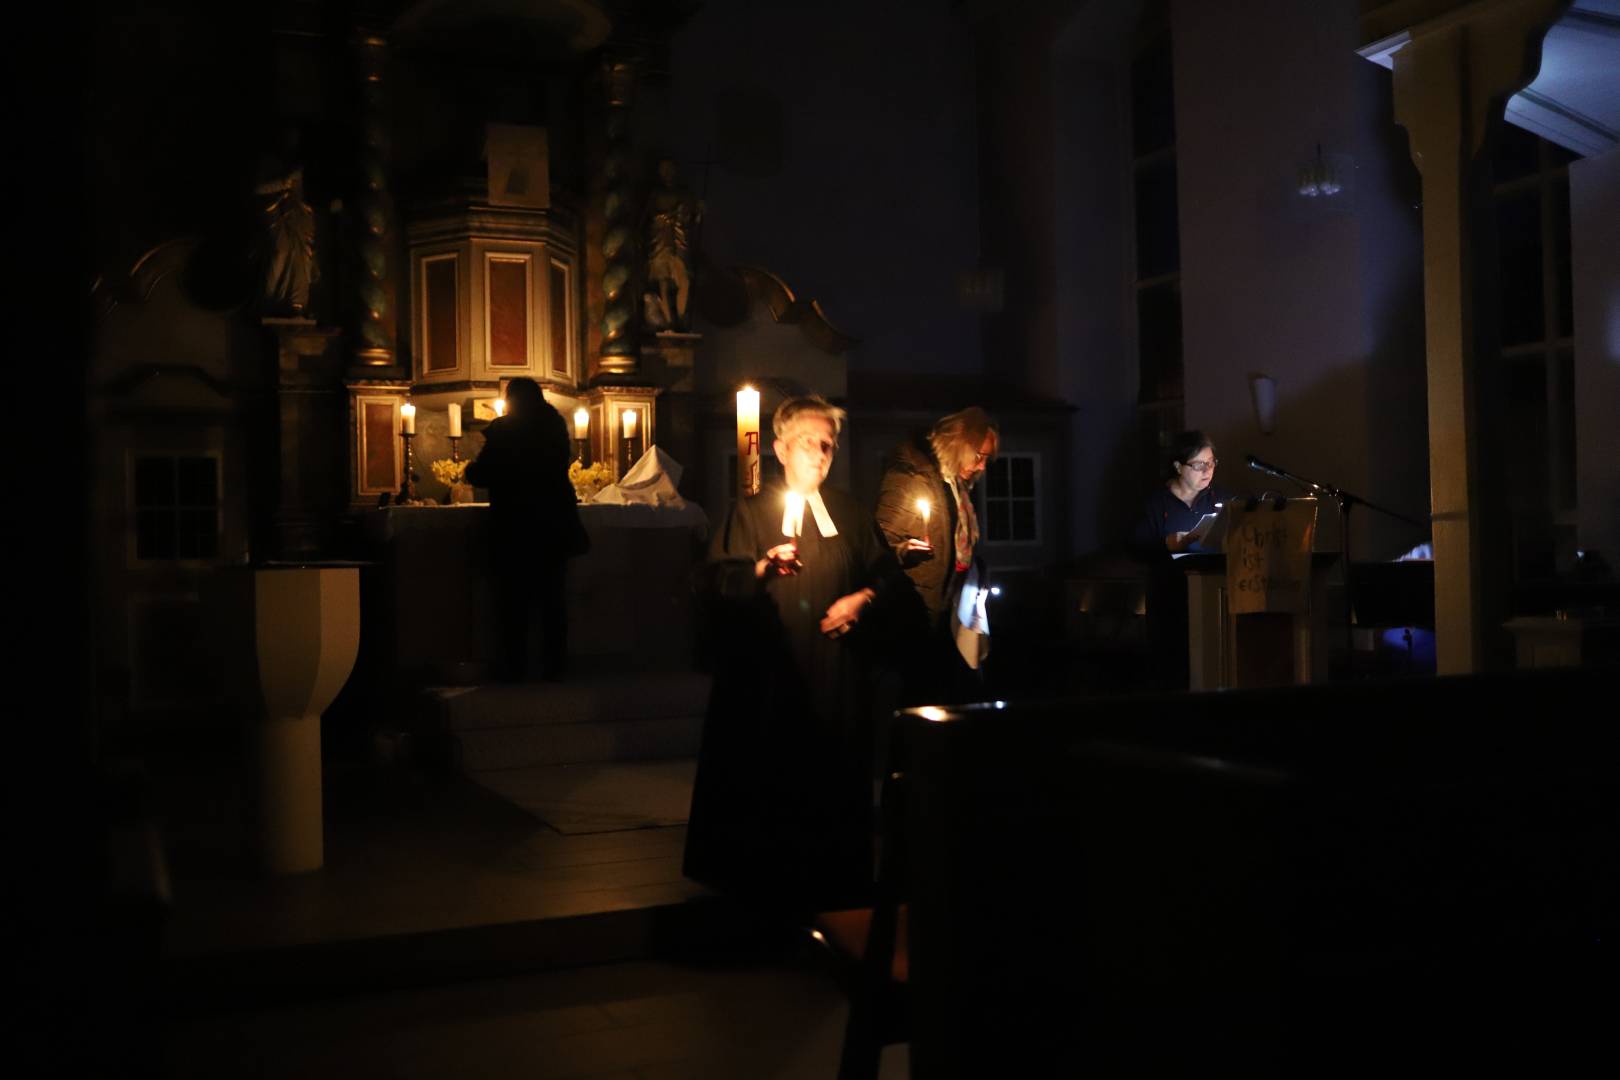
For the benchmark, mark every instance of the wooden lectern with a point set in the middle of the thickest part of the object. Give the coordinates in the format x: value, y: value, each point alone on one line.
x: 1256, y: 614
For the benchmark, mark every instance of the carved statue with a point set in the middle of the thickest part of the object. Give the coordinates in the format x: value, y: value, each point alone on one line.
x: 670, y: 223
x: 289, y: 243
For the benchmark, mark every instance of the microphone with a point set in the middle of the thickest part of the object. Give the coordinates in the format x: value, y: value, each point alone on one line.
x: 1266, y: 467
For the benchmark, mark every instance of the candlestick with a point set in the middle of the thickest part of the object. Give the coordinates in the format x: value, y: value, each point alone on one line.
x: 407, y: 419
x: 747, y: 441
x: 407, y: 487
x: 455, y: 448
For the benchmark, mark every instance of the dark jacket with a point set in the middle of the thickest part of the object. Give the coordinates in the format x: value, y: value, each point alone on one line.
x: 912, y: 473
x: 524, y: 466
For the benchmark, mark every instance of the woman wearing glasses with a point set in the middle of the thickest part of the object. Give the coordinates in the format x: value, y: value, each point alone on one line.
x: 1171, y: 510
x: 1187, y: 494
x: 782, y: 804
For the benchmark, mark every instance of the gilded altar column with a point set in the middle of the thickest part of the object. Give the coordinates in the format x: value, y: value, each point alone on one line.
x: 620, y: 354
x: 374, y: 273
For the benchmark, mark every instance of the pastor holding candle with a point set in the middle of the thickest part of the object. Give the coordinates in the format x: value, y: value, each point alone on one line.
x: 781, y: 810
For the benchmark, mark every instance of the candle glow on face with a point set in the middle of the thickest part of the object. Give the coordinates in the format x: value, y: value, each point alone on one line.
x: 628, y: 419
x: 407, y: 418
x: 499, y: 406
x: 455, y: 420
x: 794, y: 523
x: 582, y: 422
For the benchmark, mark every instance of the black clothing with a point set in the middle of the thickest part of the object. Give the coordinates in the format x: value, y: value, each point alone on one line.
x: 534, y: 530
x: 1163, y: 514
x: 932, y: 669
x: 782, y: 805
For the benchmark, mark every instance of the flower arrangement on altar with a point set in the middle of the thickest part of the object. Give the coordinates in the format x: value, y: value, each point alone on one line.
x: 450, y: 473
x: 589, y: 479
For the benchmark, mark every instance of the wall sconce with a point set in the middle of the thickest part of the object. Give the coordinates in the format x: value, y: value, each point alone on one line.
x: 1263, y: 393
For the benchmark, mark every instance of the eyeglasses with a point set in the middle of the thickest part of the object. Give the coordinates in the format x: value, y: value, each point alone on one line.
x: 809, y: 443
x: 1202, y: 466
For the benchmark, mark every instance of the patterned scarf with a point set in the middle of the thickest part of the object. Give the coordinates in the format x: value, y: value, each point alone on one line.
x: 967, y: 524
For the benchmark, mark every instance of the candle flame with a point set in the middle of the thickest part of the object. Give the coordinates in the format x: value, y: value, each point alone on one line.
x: 500, y: 406
x: 795, y: 514
x: 924, y: 508
x: 582, y: 422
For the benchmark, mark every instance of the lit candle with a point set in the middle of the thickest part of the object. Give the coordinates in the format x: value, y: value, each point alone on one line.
x: 628, y: 418
x: 407, y: 417
x: 455, y: 420
x: 499, y: 407
x: 747, y: 441
x: 793, y: 523
x: 924, y: 508
x: 582, y: 423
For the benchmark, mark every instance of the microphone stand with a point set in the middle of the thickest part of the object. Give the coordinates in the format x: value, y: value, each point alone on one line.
x: 1345, y: 501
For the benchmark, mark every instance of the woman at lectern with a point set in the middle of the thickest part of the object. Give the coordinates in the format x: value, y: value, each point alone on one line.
x: 1188, y: 493
x: 1168, y: 517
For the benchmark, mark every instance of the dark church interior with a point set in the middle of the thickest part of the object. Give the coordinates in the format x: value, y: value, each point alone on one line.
x: 1191, y: 425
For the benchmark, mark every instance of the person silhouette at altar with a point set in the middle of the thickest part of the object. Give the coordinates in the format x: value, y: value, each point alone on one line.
x: 534, y: 529
x: 782, y: 803
x: 1164, y: 530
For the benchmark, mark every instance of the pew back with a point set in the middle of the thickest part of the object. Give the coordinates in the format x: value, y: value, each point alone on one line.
x: 1291, y: 881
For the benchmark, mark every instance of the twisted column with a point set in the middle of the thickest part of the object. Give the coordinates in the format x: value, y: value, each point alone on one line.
x: 620, y: 351
x: 374, y: 316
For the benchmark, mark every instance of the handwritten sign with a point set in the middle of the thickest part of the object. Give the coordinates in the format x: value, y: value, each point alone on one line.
x: 1268, y: 557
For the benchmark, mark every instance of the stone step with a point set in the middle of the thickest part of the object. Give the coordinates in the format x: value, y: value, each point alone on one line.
x: 669, y: 921
x: 597, y: 798
x: 505, y: 748
x: 593, y: 698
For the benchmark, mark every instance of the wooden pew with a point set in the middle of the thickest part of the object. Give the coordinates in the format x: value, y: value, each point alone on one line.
x: 1301, y: 881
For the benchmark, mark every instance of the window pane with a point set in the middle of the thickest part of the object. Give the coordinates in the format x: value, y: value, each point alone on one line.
x: 198, y: 534
x: 154, y: 534
x: 1564, y: 450
x: 508, y: 313
x: 154, y: 481
x: 1158, y: 236
x: 995, y: 479
x: 1023, y: 520
x: 1561, y: 265
x: 1023, y: 477
x: 1525, y: 383
x: 198, y: 481
x: 1158, y: 315
x: 1518, y: 223
x: 997, y: 524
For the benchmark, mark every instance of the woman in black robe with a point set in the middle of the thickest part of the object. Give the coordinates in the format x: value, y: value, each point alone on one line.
x: 782, y: 808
